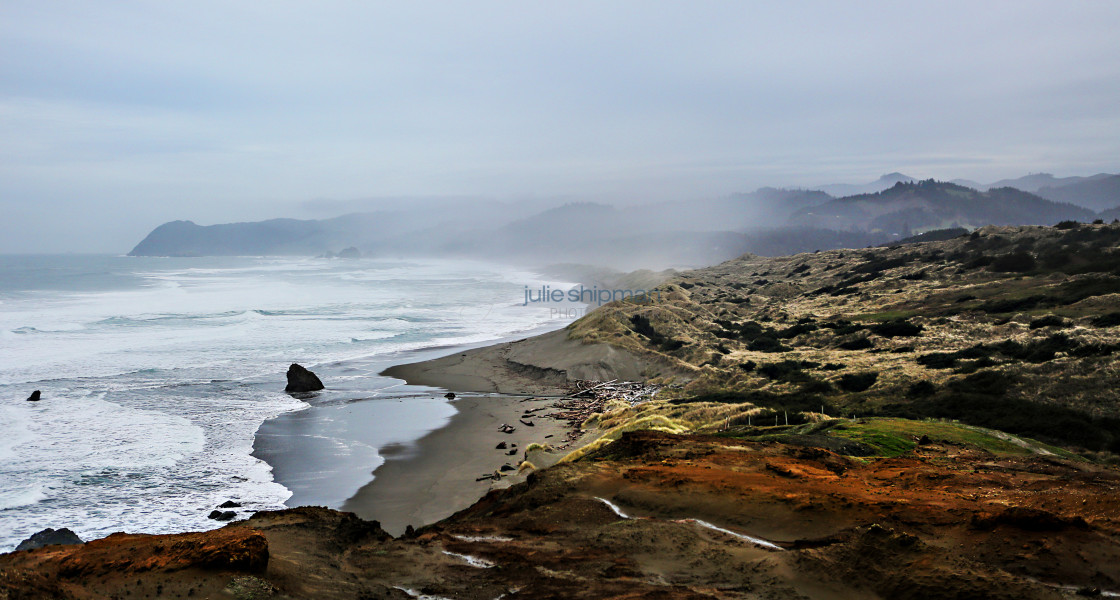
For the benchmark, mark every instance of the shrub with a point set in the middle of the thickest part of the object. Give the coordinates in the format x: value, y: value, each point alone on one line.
x: 1048, y: 321
x: 785, y: 370
x: 766, y: 343
x: 1111, y: 319
x: 642, y: 325
x: 1067, y: 225
x: 938, y: 360
x: 989, y: 383
x: 1016, y: 262
x: 796, y: 330
x: 816, y: 386
x: 671, y: 345
x: 857, y: 382
x: 857, y: 344
x: 976, y: 365
x: 921, y: 389
x: 897, y: 328
x: 1014, y: 304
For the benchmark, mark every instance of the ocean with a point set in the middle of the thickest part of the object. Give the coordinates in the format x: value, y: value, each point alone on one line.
x: 156, y: 374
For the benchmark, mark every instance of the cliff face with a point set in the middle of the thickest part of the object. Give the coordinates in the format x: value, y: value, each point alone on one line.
x: 658, y: 516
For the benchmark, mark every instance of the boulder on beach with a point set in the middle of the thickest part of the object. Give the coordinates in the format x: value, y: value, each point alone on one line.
x: 302, y: 380
x: 48, y: 537
x: 34, y: 397
x: 449, y: 395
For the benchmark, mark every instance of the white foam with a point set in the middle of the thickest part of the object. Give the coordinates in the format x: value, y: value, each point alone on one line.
x: 416, y: 594
x: 482, y: 538
x: 472, y: 561
x: 614, y: 507
x: 132, y: 435
x: 15, y: 428
x: 749, y: 538
x: 21, y: 496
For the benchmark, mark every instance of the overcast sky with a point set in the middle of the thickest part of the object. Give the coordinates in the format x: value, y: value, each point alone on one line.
x: 118, y: 116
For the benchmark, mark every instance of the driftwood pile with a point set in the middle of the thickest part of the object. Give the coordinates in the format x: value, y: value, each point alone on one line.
x: 584, y: 399
x: 590, y: 397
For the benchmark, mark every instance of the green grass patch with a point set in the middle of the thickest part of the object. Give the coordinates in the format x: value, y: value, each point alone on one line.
x: 895, y: 437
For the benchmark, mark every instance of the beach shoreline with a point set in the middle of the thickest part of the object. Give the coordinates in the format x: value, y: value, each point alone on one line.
x: 453, y: 466
x: 406, y: 455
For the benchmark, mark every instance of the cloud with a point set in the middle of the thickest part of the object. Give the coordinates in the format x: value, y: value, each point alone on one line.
x: 143, y: 112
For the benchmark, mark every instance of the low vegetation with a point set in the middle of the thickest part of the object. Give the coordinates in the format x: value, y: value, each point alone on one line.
x: 1013, y: 329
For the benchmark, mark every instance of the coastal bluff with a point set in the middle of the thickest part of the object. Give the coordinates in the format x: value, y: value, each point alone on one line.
x: 541, y: 365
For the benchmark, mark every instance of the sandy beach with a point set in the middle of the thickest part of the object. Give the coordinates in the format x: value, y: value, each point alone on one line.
x: 318, y: 453
x: 541, y: 365
x: 421, y: 483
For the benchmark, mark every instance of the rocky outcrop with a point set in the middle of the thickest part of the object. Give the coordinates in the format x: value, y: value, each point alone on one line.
x: 301, y: 380
x: 49, y: 537
x: 238, y: 550
x: 656, y: 515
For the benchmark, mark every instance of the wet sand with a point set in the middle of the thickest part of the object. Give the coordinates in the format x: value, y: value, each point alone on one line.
x: 423, y: 482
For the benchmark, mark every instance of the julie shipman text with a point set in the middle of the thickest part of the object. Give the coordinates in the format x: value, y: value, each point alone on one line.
x: 592, y: 295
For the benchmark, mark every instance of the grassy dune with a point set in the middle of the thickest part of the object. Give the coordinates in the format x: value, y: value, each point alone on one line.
x: 1009, y: 328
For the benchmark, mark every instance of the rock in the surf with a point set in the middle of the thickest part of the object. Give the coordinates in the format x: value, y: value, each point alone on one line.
x: 34, y: 397
x: 48, y: 537
x: 222, y: 515
x: 302, y: 380
x: 229, y: 504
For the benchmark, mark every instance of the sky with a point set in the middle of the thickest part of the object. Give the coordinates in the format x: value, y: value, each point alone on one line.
x: 118, y: 116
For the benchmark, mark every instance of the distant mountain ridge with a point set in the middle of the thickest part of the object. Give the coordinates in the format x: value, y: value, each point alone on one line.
x: 767, y: 221
x: 936, y: 205
x: 1097, y: 192
x: 667, y: 234
x: 849, y: 189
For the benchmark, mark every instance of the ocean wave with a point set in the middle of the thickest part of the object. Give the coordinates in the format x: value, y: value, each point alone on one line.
x: 134, y: 433
x: 21, y: 496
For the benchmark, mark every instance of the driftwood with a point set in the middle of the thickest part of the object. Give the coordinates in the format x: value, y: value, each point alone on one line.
x: 590, y: 397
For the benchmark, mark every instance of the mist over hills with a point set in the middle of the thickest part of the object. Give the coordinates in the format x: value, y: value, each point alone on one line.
x: 767, y: 221
x: 1099, y: 192
x: 931, y: 204
x: 887, y: 181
